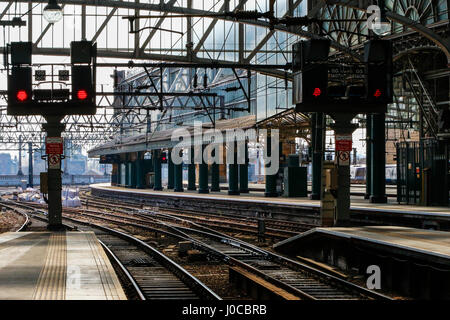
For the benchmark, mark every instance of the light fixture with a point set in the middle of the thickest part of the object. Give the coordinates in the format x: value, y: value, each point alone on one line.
x: 53, y: 12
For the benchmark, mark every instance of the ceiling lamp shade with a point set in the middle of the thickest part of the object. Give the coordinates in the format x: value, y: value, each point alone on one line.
x: 53, y: 12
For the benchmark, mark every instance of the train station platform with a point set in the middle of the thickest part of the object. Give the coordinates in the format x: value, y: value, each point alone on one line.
x: 56, y: 266
x: 299, y: 209
x: 431, y: 244
x: 357, y: 190
x: 407, y: 258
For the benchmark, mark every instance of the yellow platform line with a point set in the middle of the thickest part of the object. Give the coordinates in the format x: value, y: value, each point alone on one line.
x: 52, y: 279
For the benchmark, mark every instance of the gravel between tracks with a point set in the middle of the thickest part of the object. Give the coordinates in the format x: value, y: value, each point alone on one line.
x: 10, y: 221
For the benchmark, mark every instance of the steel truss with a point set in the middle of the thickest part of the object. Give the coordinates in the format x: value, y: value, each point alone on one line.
x: 419, y: 25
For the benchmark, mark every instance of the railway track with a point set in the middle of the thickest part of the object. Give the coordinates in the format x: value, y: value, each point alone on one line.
x: 23, y: 212
x: 296, y: 278
x: 274, y: 228
x: 308, y: 215
x: 152, y: 275
x: 156, y: 276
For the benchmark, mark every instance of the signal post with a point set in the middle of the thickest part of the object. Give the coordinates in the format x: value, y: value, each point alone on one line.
x: 343, y: 128
x: 54, y: 151
x: 342, y: 91
x: 75, y: 96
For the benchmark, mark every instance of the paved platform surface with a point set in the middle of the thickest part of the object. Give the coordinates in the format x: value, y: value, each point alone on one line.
x: 257, y: 197
x: 356, y: 189
x: 429, y: 242
x: 56, y: 266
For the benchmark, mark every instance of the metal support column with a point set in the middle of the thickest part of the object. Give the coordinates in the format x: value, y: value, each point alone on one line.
x: 133, y: 180
x: 243, y: 173
x: 139, y: 171
x: 317, y: 132
x: 215, y: 174
x: 66, y: 169
x: 170, y: 170
x: 178, y: 177
x: 368, y: 155
x: 191, y: 172
x: 119, y: 173
x: 215, y: 177
x: 54, y: 128
x: 378, y: 154
x: 30, y: 165
x: 343, y: 126
x: 271, y: 180
x: 203, y: 175
x: 233, y: 174
x: 20, y: 172
x: 157, y: 170
x: 127, y: 171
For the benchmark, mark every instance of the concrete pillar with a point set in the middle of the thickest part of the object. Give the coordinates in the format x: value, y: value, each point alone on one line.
x: 271, y: 180
x: 378, y: 154
x: 157, y: 170
x: 191, y: 172
x: 170, y: 170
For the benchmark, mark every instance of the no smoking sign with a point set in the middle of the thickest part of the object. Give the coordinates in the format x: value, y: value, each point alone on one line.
x: 344, y: 158
x: 54, y: 161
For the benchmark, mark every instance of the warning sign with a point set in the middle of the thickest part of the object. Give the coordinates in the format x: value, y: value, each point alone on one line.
x: 54, y: 145
x: 54, y: 161
x: 344, y: 158
x: 344, y: 143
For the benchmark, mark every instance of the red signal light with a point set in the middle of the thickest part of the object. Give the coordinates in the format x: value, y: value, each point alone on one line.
x: 163, y: 158
x: 377, y: 93
x: 82, y: 94
x: 317, y: 92
x: 22, y: 95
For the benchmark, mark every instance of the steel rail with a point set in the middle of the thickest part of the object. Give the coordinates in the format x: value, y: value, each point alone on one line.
x: 123, y: 269
x: 221, y: 238
x: 25, y: 215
